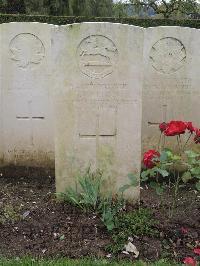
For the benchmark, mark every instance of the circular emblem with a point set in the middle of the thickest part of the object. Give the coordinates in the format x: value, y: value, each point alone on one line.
x: 26, y: 50
x: 97, y: 56
x: 167, y: 55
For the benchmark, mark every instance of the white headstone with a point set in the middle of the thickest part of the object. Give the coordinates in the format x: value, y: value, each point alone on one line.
x: 172, y: 76
x: 1, y: 109
x: 97, y: 95
x: 25, y: 80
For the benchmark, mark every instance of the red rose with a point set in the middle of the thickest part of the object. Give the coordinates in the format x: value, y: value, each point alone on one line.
x: 197, y: 251
x: 190, y: 127
x: 149, y: 158
x: 197, y: 137
x: 163, y: 126
x: 190, y: 261
x: 175, y: 128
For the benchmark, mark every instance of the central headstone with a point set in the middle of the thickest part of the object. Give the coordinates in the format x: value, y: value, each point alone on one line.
x: 97, y: 96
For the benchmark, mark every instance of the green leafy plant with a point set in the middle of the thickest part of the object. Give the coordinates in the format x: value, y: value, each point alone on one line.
x: 193, y: 167
x: 63, y: 20
x: 168, y: 169
x: 9, y: 214
x: 87, y: 193
x: 109, y: 208
x: 88, y: 196
x: 129, y: 225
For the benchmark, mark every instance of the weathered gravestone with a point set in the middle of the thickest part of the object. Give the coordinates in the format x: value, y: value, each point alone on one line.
x: 171, y: 88
x: 96, y: 82
x: 25, y: 80
x: 97, y: 96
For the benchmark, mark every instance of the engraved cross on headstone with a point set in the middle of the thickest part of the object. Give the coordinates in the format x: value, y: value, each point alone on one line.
x: 103, y: 124
x: 30, y: 117
x: 164, y: 117
x: 98, y: 124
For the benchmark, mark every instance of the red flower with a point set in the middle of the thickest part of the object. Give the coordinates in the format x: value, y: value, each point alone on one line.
x: 163, y: 126
x: 184, y: 230
x: 190, y: 261
x: 197, y: 251
x: 190, y: 127
x: 175, y: 128
x: 197, y: 137
x: 150, y: 157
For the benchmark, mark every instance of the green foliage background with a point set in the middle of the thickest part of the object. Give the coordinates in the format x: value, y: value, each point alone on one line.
x: 58, y: 7
x: 62, y: 20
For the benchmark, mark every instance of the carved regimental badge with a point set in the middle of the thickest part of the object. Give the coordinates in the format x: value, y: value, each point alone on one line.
x: 97, y: 56
x: 167, y: 55
x: 26, y: 50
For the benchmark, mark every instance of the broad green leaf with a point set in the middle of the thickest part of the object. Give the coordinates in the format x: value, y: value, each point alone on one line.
x: 163, y: 156
x: 153, y: 184
x: 159, y: 190
x: 192, y: 154
x: 195, y: 171
x: 169, y: 153
x: 198, y: 186
x: 110, y: 226
x: 144, y: 176
x: 163, y: 172
x: 186, y: 177
x: 62, y: 237
x: 153, y: 172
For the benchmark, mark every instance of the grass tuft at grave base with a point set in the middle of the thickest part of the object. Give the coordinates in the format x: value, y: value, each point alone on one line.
x: 63, y: 20
x: 83, y: 262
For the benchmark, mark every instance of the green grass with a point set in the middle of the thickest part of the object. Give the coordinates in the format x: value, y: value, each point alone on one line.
x: 85, y: 262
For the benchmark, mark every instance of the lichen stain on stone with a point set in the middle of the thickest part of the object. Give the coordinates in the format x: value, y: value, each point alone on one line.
x: 105, y: 156
x: 66, y: 150
x: 32, y: 158
x: 106, y: 162
x: 74, y: 32
x: 75, y: 27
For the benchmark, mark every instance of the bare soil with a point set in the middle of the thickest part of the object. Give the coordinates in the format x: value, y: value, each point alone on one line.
x: 33, y: 222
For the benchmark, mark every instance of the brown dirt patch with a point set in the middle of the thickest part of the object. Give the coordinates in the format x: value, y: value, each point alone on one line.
x: 38, y: 225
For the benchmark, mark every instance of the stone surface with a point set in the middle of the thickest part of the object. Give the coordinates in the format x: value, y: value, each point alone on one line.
x: 97, y: 97
x: 25, y: 79
x: 171, y: 88
x: 95, y: 85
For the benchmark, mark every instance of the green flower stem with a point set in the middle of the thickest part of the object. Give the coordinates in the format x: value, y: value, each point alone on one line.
x: 176, y: 189
x: 179, y: 144
x: 160, y: 142
x: 187, y: 142
x: 163, y: 146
